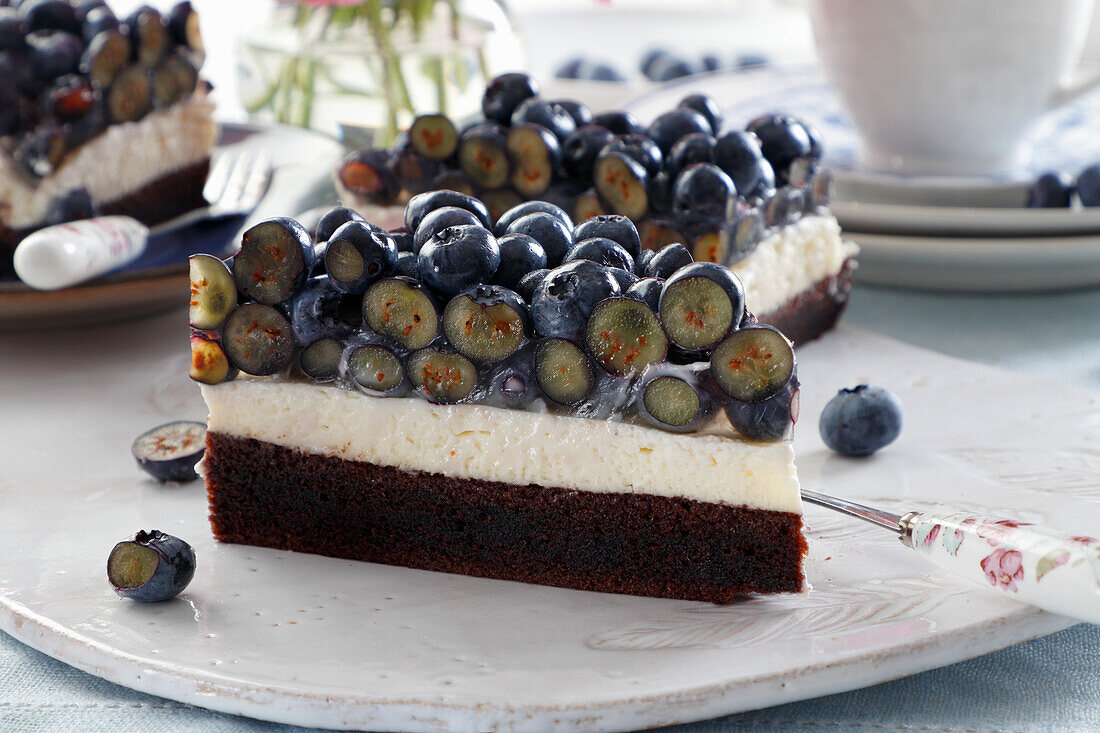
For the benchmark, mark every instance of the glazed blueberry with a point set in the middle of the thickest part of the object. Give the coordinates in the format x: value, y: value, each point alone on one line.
x: 563, y: 371
x: 617, y: 228
x: 548, y: 230
x: 671, y: 126
x: 641, y: 149
x: 673, y: 401
x: 753, y: 363
x: 1088, y: 185
x: 1052, y: 190
x: 71, y: 206
x: 625, y: 336
x: 258, y: 339
x: 13, y: 30
x: 767, y: 419
x: 566, y: 297
x: 580, y: 113
x: 459, y: 257
x: 622, y: 184
x: 402, y: 309
x: 406, y: 265
x: 530, y: 207
x: 169, y: 452
x: 700, y: 304
x: 701, y: 194
x: 55, y: 53
x: 642, y: 260
x: 647, y: 290
x: 438, y: 220
x: 485, y: 323
x: 50, y: 15
x: 506, y: 92
x: 213, y: 292
x: 375, y: 368
x: 275, y: 258
x: 550, y: 115
x: 183, y: 26
x: 690, y: 149
x: 483, y: 155
x: 535, y: 156
x: 625, y: 279
x: 530, y: 282
x: 98, y: 20
x: 519, y: 255
x: 367, y: 173
x: 320, y: 360
x: 618, y: 122
x: 580, y: 149
x: 602, y: 251
x: 152, y: 567
x: 422, y: 204
x: 442, y: 376
x: 512, y: 383
x: 434, y: 136
x: 668, y: 260
x: 315, y: 311
x: 782, y: 139
x: 707, y: 107
x: 861, y: 420
x: 333, y: 220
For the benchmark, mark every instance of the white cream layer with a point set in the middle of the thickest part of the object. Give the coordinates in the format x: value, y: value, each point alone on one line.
x: 511, y: 446
x: 118, y: 162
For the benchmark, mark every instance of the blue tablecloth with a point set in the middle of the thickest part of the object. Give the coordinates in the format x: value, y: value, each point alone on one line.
x: 1044, y: 685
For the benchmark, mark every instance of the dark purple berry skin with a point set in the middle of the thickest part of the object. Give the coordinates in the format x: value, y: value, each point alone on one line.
x: 668, y: 260
x: 625, y: 279
x: 422, y: 204
x: 550, y: 115
x: 519, y: 255
x: 406, y: 265
x: 13, y: 30
x: 619, y: 123
x: 566, y: 297
x: 670, y: 67
x: 614, y: 227
x: 98, y: 20
x: 506, y: 92
x: 580, y: 149
x: 512, y: 383
x: 403, y: 239
x: 769, y: 419
x: 660, y: 193
x: 602, y: 251
x: 641, y: 262
x: 1088, y: 185
x: 738, y: 154
x: 641, y: 149
x: 860, y: 421
x: 667, y: 129
x: 55, y: 53
x: 50, y: 15
x: 700, y: 196
x: 530, y: 282
x: 548, y: 230
x: 459, y: 257
x: 1052, y: 190
x: 333, y: 220
x: 530, y: 207
x: 71, y: 206
x: 174, y: 569
x: 438, y: 220
x: 580, y: 113
x: 782, y: 139
x: 707, y: 107
x: 315, y: 312
x: 647, y: 290
x: 690, y: 149
x: 377, y: 251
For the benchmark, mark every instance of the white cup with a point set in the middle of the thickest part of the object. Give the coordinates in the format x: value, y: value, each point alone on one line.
x: 950, y: 87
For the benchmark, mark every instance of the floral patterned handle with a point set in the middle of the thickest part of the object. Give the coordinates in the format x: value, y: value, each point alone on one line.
x: 1044, y: 568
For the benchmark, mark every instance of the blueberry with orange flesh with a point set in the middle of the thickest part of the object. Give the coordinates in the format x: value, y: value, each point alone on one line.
x: 442, y: 376
x: 563, y: 371
x: 434, y: 136
x: 402, y: 309
x: 519, y: 255
x: 547, y: 114
x: 275, y: 258
x: 209, y: 364
x: 668, y: 128
x: 700, y: 304
x: 603, y: 251
x: 358, y: 254
x: 183, y: 26
x: 673, y: 400
x: 423, y: 204
x: 500, y: 200
x: 668, y: 260
x: 130, y: 97
x: 333, y: 219
x: 375, y: 368
x: 107, y: 54
x: 320, y: 360
x: 615, y: 227
x: 459, y: 257
x: 619, y: 122
x: 213, y: 292
x: 174, y: 78
x: 169, y: 452
x: 367, y: 173
x: 624, y: 336
x: 149, y: 33
x: 483, y: 155
x: 738, y: 153
x: 753, y: 363
x: 580, y: 149
x: 438, y: 220
x: 706, y: 106
x: 641, y: 148
x: 535, y: 156
x: 622, y: 184
x: 504, y: 94
x: 768, y: 419
x: 567, y: 296
x: 485, y: 323
x: 587, y: 204
x: 152, y: 567
x: 530, y: 207
x: 258, y: 339
x: 555, y: 236
x: 658, y: 233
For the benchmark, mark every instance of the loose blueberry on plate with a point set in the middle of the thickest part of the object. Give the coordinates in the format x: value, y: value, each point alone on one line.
x: 530, y: 282
x: 376, y: 369
x: 625, y: 336
x: 580, y: 149
x: 606, y: 72
x: 315, y: 311
x: 258, y: 339
x: 1052, y: 190
x: 701, y: 195
x: 587, y: 205
x: 333, y: 220
x: 563, y: 371
x: 485, y: 323
x: 783, y: 138
x: 668, y: 260
x: 519, y: 255
x: 622, y: 184
x: 547, y: 114
x: 213, y: 292
x: 442, y: 376
x: 640, y: 148
x: 169, y: 452
x: 275, y: 258
x: 580, y: 113
x: 617, y: 228
x: 707, y: 107
x: 1088, y: 185
x: 504, y: 93
x: 668, y: 128
x: 367, y: 174
x: 700, y: 304
x: 555, y: 236
x: 672, y: 403
x: 402, y: 309
x: 152, y: 567
x: 669, y: 68
x: 530, y: 207
x: 571, y: 69
x: 209, y: 364
x: 861, y: 420
x: 649, y: 59
x: 438, y: 220
x: 434, y: 136
x: 567, y: 296
x: 753, y: 363
x: 423, y: 204
x: 320, y: 360
x: 619, y: 122
x: 647, y: 290
x: 601, y: 250
x: 512, y: 383
x: 458, y: 257
x: 767, y: 419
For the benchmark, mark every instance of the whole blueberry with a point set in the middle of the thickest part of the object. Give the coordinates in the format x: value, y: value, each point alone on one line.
x: 529, y: 207
x: 407, y: 265
x: 315, y: 311
x: 550, y: 115
x: 697, y: 147
x: 603, y: 251
x: 706, y: 106
x: 55, y: 53
x: 548, y: 230
x: 1088, y: 185
x: 438, y: 220
x: 650, y: 58
x: 640, y: 148
x: 565, y: 299
x: 580, y: 113
x: 1052, y: 190
x: 671, y: 126
x: 519, y: 255
x: 44, y: 15
x: 701, y: 194
x: 619, y: 122
x: 423, y: 204
x: 768, y: 419
x: 530, y: 282
x: 783, y: 138
x: 98, y: 20
x: 580, y: 149
x: 332, y: 220
x: 458, y: 257
x: 668, y: 260
x: 625, y: 279
x: 615, y: 227
x: 13, y: 30
x: 506, y: 92
x: 648, y: 290
x: 861, y: 420
x: 738, y: 154
x: 152, y: 567
x: 670, y: 67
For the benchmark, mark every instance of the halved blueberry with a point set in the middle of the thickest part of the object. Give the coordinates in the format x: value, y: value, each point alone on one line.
x: 602, y: 251
x: 567, y: 296
x: 258, y: 339
x: 450, y: 179
x: 458, y: 257
x: 183, y: 25
x: 320, y: 360
x: 555, y: 236
x: 821, y: 190
x: 530, y: 207
x: 672, y: 402
x: 700, y: 304
x: 587, y: 205
x: 753, y: 363
x: 442, y: 376
x: 640, y: 148
x: 107, y: 54
x: 535, y: 156
x: 500, y: 200
x: 658, y: 233
x: 275, y: 258
x: 213, y: 292
x: 768, y: 419
x: 131, y: 95
x: 209, y: 363
x: 414, y: 172
x: 742, y: 235
x: 563, y: 371
x: 519, y: 255
x: 375, y: 368
x: 625, y: 336
x: 434, y: 136
x: 367, y: 173
x: 622, y: 183
x: 483, y: 155
x: 152, y: 567
x: 170, y: 452
x: 149, y: 32
x: 402, y: 309
x: 423, y: 204
x: 485, y: 323
x: 504, y: 93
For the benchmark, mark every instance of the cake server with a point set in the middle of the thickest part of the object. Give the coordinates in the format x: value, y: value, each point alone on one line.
x: 1051, y: 570
x: 59, y: 256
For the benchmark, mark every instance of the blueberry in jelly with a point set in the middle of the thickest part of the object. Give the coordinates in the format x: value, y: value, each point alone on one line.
x: 668, y: 260
x: 625, y: 336
x: 1088, y: 185
x: 54, y: 53
x: 183, y: 26
x: 617, y: 228
x: 333, y: 219
x: 107, y: 54
x: 861, y: 420
x: 580, y: 149
x: 512, y: 382
x: 619, y: 122
x: 672, y: 402
x: 442, y: 376
x: 580, y: 113
x: 563, y: 371
x: 701, y: 194
x: 213, y: 292
x: 530, y: 282
x: 367, y: 174
x: 356, y: 255
x: 700, y: 304
x: 504, y: 94
x: 603, y: 251
x: 555, y: 236
x: 782, y: 139
x: 738, y: 154
x: 648, y: 291
x: 258, y: 339
x: 690, y: 149
x: 169, y: 452
x: 545, y: 113
x: 567, y: 296
x: 73, y: 205
x: 320, y: 360
x: 458, y: 257
x: 434, y: 136
x: 275, y: 258
x: 149, y: 32
x: 671, y: 126
x: 44, y: 15
x: 535, y: 158
x: 530, y: 207
x: 375, y: 368
x: 500, y: 200
x: 423, y: 204
x: 402, y: 309
x: 519, y: 255
x: 622, y: 184
x: 13, y: 30
x: 1052, y: 190
x: 707, y: 107
x: 640, y: 148
x: 438, y: 220
x: 753, y: 363
x: 587, y: 205
x: 152, y: 567
x: 98, y: 20
x: 767, y: 419
x: 406, y: 265
x: 315, y: 311
x: 209, y: 364
x: 485, y: 323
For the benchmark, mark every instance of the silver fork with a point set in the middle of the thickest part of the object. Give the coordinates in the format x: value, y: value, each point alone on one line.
x: 235, y: 185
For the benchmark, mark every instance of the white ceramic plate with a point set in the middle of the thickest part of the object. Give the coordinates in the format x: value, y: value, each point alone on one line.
x: 323, y: 642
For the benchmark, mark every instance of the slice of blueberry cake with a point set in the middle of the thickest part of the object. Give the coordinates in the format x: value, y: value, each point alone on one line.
x: 99, y: 115
x: 583, y: 416
x: 753, y: 199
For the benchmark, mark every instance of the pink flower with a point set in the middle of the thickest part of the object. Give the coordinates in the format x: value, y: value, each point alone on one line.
x: 1004, y: 567
x: 1000, y: 531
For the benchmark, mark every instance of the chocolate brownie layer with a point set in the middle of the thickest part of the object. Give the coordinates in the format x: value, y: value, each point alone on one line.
x: 158, y: 201
x: 807, y: 316
x: 267, y: 495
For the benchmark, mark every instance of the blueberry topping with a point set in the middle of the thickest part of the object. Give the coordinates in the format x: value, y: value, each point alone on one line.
x: 530, y: 207
x: 149, y: 32
x: 485, y: 323
x: 423, y: 204
x: 152, y: 567
x: 107, y: 54
x: 742, y: 235
x: 209, y: 363
x: 500, y: 200
x: 690, y: 149
x: 512, y: 383
x: 647, y: 290
x: 131, y: 95
x: 320, y: 361
x: 672, y: 403
x: 333, y: 220
x: 701, y: 194
x: 580, y: 149
x: 580, y: 113
x: 767, y: 419
x: 414, y: 172
x: 315, y: 311
x: 624, y: 278
x: 258, y: 339
x: 183, y: 26
x: 547, y: 114
x: 587, y: 205
x: 275, y: 258
x: 451, y: 180
x: 459, y: 257
x: 602, y: 251
x: 97, y: 20
x: 213, y: 292
x: 668, y: 128
x: 54, y: 53
x: 641, y: 262
x: 668, y: 260
x: 442, y: 376
x: 622, y: 183
x: 707, y: 107
x: 563, y: 371
x: 433, y: 136
x: 700, y: 304
x: 753, y: 364
x: 782, y: 139
x: 376, y: 369
x: 367, y: 174
x: 504, y: 93
x: 555, y: 236
x: 438, y: 220
x: 738, y: 154
x: 401, y: 309
x: 169, y: 452
x: 1052, y: 190
x: 567, y: 296
x: 407, y: 264
x: 619, y: 122
x: 821, y: 190
x: 535, y: 156
x: 657, y: 234
x: 860, y: 421
x: 614, y: 227
x: 1088, y: 185
x: 519, y: 255
x: 43, y: 15
x: 483, y: 155
x: 530, y: 282
x: 625, y: 336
